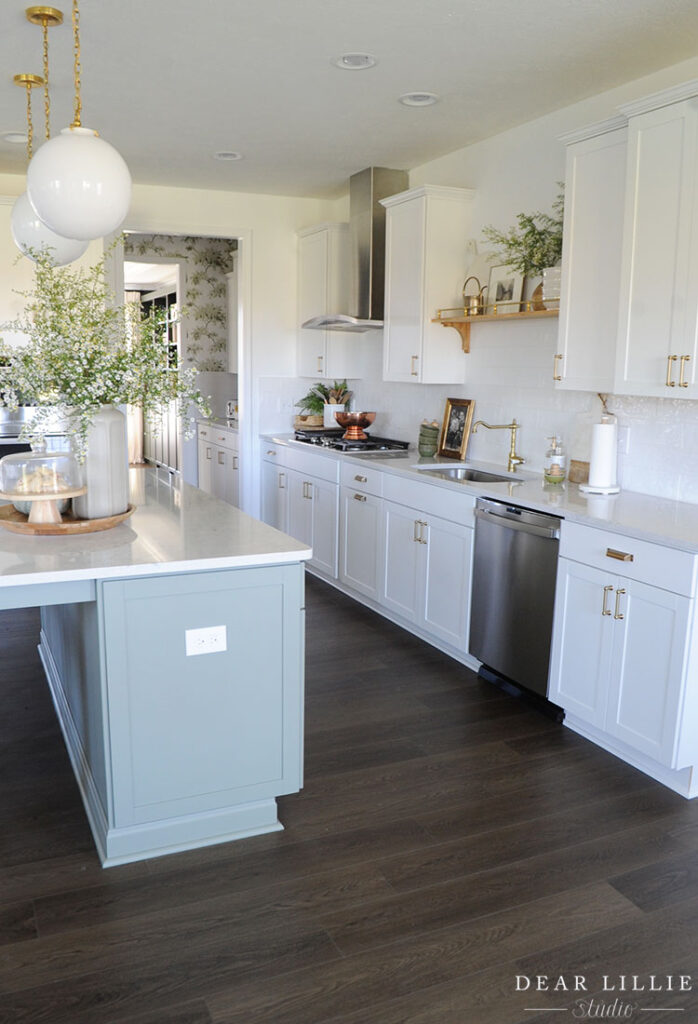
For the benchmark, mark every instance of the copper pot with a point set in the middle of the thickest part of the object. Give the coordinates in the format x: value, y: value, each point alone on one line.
x: 354, y: 422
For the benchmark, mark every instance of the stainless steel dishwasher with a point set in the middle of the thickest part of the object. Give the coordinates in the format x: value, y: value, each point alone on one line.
x: 514, y: 572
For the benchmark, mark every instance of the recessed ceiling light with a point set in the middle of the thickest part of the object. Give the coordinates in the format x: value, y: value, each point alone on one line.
x: 419, y: 99
x: 355, y: 61
x: 227, y: 154
x: 16, y: 138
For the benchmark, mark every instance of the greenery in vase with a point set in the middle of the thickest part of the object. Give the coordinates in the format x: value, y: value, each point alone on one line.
x: 84, y: 351
x: 322, y: 394
x: 536, y: 242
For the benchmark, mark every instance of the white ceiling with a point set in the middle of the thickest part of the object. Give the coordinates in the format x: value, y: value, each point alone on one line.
x: 170, y: 82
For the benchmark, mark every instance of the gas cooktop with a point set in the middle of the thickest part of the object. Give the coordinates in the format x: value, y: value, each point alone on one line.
x: 335, y: 440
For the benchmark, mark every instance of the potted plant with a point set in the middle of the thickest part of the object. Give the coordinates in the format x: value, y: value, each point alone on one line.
x: 85, y: 355
x: 322, y: 402
x: 534, y: 246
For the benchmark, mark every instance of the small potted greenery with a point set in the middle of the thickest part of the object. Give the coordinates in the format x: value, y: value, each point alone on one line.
x: 534, y: 246
x: 322, y: 401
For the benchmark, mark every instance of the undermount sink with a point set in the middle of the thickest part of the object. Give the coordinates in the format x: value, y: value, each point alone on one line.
x: 466, y: 473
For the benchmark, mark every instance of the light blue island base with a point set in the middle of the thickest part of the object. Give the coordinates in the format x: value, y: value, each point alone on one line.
x: 172, y: 750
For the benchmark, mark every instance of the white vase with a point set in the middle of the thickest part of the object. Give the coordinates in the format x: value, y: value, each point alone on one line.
x: 328, y: 414
x: 551, y: 287
x: 106, y: 467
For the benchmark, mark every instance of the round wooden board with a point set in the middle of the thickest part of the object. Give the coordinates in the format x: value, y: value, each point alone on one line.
x: 13, y: 520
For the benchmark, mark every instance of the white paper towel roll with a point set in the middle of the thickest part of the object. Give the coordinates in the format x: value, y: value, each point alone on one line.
x: 603, y: 464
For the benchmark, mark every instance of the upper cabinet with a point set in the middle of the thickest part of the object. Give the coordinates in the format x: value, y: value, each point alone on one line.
x: 629, y: 302
x: 659, y: 271
x: 593, y: 240
x: 324, y: 279
x: 427, y: 230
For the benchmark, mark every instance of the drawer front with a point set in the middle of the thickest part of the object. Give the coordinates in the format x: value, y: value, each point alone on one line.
x: 224, y: 438
x: 639, y: 560
x: 322, y: 466
x: 205, y: 432
x: 360, y: 478
x: 273, y: 452
x: 430, y: 498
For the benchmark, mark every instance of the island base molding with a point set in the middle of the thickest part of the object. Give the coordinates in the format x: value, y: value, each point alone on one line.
x: 173, y: 752
x: 683, y: 780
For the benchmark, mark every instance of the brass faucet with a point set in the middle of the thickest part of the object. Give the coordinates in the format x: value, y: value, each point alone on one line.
x: 514, y: 459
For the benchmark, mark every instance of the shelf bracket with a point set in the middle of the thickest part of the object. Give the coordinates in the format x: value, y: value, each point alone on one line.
x: 463, y: 328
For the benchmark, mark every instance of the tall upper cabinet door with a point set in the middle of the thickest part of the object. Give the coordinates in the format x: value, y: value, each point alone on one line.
x: 324, y: 280
x: 427, y: 230
x: 591, y: 256
x: 659, y: 277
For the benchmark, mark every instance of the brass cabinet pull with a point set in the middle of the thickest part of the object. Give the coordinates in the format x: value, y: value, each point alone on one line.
x: 413, y: 371
x: 271, y: 452
x: 682, y: 366
x: 606, y: 591
x: 669, y: 382
x: 282, y: 485
x: 319, y: 364
x: 620, y: 556
x: 221, y: 458
x: 203, y: 433
x: 309, y: 494
x: 618, y: 613
x: 236, y: 464
x: 359, y: 497
x: 556, y: 374
x: 415, y: 535
x: 361, y: 479
x: 422, y: 538
x: 208, y: 454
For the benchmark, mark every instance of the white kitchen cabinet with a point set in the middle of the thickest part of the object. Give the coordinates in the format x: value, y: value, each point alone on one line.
x: 313, y: 517
x: 621, y: 643
x: 361, y: 529
x: 324, y: 278
x: 426, y: 571
x: 658, y: 324
x: 591, y: 257
x: 274, y: 489
x: 427, y: 230
x: 219, y: 463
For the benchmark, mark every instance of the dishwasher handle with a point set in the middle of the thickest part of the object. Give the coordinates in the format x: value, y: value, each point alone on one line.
x: 508, y: 523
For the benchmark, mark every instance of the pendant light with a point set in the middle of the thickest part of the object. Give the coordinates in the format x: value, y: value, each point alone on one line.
x: 30, y: 234
x: 77, y: 183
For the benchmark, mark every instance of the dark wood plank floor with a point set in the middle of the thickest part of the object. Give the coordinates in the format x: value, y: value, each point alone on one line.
x: 447, y: 840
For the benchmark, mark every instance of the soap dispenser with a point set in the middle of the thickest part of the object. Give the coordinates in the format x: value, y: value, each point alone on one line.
x: 555, y: 466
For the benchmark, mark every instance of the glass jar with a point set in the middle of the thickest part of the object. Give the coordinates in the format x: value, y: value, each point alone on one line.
x: 555, y: 465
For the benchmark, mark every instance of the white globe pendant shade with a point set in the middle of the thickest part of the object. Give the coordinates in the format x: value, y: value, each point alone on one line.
x: 32, y: 236
x: 78, y: 185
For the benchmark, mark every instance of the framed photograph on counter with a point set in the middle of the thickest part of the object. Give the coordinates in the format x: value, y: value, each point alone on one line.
x: 504, y: 290
x: 455, y: 432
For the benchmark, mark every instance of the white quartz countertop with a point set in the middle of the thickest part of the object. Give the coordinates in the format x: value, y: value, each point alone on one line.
x: 175, y: 528
x: 673, y: 523
x: 220, y: 421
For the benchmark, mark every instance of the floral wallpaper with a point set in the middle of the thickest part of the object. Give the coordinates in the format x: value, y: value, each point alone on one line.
x: 205, y: 262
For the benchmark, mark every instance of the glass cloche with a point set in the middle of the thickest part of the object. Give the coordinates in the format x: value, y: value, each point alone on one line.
x: 41, y: 478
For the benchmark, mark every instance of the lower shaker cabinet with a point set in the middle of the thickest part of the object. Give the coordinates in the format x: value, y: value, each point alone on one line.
x: 619, y: 656
x: 313, y: 518
x: 274, y: 495
x: 360, y: 541
x: 426, y: 572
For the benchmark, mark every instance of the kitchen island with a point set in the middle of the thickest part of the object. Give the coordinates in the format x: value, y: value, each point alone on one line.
x: 173, y: 648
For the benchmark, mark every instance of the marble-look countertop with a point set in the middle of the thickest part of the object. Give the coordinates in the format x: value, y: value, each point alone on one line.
x: 175, y: 528
x: 220, y: 421
x: 673, y: 523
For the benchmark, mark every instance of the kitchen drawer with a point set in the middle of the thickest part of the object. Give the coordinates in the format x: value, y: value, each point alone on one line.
x: 360, y: 478
x: 205, y: 432
x: 430, y: 498
x: 224, y: 438
x: 322, y: 466
x: 274, y: 452
x: 650, y: 563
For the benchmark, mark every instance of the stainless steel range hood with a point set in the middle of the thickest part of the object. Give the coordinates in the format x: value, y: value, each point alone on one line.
x: 367, y: 240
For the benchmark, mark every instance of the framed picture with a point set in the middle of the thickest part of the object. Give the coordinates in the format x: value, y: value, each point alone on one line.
x: 504, y: 290
x: 455, y: 432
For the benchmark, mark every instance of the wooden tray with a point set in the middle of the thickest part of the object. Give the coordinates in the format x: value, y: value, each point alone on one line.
x: 13, y: 520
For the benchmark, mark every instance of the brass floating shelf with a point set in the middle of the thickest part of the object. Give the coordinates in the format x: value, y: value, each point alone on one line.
x: 461, y: 319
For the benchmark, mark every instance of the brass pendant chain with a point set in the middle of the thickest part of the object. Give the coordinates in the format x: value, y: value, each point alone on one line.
x: 76, y: 37
x: 30, y: 125
x: 47, y: 100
